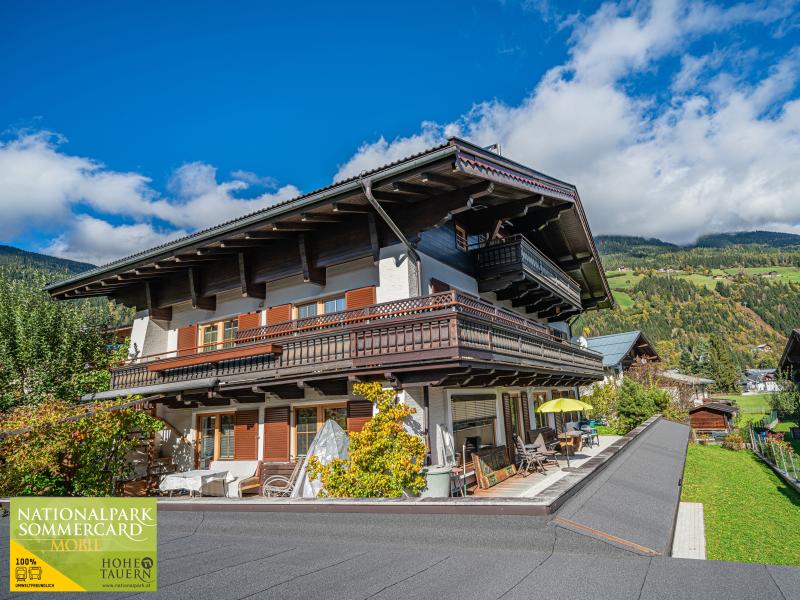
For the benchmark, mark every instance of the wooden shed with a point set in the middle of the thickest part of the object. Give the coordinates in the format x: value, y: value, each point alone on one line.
x: 713, y: 416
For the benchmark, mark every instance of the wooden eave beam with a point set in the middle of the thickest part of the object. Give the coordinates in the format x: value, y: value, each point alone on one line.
x: 319, y: 218
x: 156, y: 313
x: 199, y: 301
x: 301, y: 227
x: 344, y: 207
x: 311, y: 273
x: 413, y: 188
x: 439, y: 179
x: 374, y: 239
x: 235, y: 244
x: 249, y: 289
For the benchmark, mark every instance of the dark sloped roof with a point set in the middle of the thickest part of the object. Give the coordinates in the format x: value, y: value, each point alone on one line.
x: 717, y: 406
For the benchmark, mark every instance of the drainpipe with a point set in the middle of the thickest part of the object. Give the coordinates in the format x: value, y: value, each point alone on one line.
x: 366, y: 184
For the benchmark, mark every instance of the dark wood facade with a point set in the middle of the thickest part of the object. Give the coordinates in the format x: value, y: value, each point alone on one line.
x: 712, y: 417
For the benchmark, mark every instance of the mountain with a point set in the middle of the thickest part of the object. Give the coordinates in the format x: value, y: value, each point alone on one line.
x: 15, y: 261
x: 772, y: 239
x: 742, y: 287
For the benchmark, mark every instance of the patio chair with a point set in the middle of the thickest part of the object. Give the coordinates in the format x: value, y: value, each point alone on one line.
x: 528, y: 459
x: 280, y: 486
x: 548, y: 454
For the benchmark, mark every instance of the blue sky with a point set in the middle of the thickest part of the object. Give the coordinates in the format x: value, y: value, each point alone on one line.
x: 125, y: 124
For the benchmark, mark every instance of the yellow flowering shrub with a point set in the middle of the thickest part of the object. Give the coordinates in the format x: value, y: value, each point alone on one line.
x: 385, y: 460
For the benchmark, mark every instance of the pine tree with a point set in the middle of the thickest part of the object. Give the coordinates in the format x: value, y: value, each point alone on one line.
x: 721, y: 366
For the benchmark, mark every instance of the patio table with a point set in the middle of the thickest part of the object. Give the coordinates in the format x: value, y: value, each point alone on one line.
x: 572, y: 439
x: 194, y: 481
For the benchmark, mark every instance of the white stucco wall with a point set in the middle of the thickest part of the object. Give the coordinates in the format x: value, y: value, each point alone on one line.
x: 147, y: 336
x: 395, y: 274
x: 180, y: 450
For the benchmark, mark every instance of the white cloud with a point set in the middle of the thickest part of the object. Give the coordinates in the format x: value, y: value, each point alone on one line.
x: 42, y: 187
x: 718, y: 154
x: 95, y: 241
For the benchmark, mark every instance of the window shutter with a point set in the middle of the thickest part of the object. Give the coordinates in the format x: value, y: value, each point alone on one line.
x: 276, y: 434
x: 512, y: 455
x: 279, y: 314
x: 187, y: 339
x: 358, y: 413
x: 247, y: 321
x: 245, y: 435
x: 526, y: 414
x: 360, y: 297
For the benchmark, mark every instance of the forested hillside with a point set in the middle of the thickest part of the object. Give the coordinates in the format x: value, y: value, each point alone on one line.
x: 743, y: 288
x: 50, y: 349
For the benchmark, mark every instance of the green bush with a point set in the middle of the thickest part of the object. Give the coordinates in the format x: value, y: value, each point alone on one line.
x: 66, y: 451
x: 385, y: 460
x: 636, y: 404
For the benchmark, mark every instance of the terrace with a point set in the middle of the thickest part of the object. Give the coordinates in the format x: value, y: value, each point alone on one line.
x: 448, y: 330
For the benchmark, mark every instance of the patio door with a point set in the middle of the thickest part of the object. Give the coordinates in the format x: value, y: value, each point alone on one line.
x: 306, y: 423
x: 208, y: 440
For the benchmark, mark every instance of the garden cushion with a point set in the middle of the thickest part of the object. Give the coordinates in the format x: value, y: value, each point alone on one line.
x: 492, y: 466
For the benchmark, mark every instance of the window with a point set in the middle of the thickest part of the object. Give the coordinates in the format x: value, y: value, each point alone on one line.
x: 216, y: 433
x: 308, y: 420
x: 462, y: 240
x: 537, y: 399
x: 221, y: 334
x: 333, y: 305
x: 307, y: 310
x: 322, y: 306
x: 474, y: 420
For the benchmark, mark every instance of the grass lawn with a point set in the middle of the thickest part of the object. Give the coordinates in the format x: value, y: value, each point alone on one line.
x: 751, y: 514
x: 751, y: 408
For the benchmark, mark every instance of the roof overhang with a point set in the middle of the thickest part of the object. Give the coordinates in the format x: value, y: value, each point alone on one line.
x: 550, y: 213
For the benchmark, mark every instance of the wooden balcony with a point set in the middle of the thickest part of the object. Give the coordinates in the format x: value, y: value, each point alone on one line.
x: 516, y: 270
x: 450, y: 330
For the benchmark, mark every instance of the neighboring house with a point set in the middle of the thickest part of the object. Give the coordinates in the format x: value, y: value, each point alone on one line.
x: 621, y: 351
x: 713, y: 416
x: 761, y: 380
x: 689, y: 389
x: 762, y: 348
x: 789, y: 363
x: 449, y: 275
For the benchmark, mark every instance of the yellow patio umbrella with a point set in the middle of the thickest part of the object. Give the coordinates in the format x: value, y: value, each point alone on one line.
x: 562, y: 405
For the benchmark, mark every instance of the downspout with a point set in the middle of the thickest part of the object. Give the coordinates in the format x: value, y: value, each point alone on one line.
x: 366, y: 184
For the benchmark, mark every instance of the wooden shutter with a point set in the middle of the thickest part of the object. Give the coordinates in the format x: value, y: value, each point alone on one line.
x: 512, y: 455
x: 249, y: 320
x: 358, y: 413
x: 276, y: 434
x: 245, y: 435
x: 187, y: 339
x: 526, y: 416
x: 360, y: 297
x: 279, y: 314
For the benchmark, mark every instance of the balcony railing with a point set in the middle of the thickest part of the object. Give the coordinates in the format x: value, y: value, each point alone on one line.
x: 447, y: 326
x: 516, y: 254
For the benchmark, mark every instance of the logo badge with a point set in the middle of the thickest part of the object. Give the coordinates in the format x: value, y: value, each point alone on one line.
x: 83, y: 544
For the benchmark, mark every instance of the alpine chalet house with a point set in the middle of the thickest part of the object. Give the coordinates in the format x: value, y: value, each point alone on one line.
x: 450, y: 275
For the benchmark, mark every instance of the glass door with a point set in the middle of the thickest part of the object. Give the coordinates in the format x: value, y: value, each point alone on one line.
x: 208, y: 429
x: 226, y: 437
x: 306, y: 425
